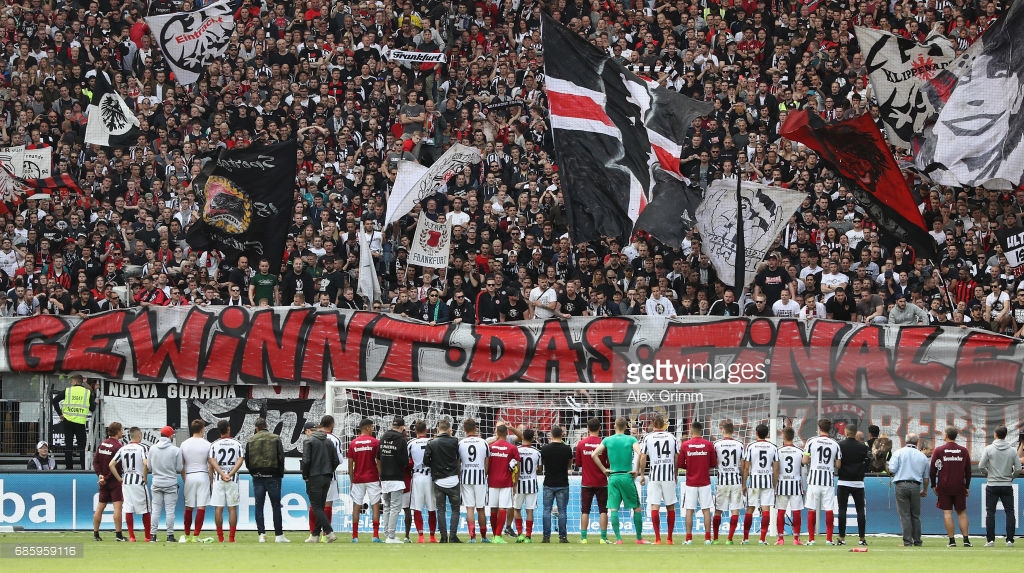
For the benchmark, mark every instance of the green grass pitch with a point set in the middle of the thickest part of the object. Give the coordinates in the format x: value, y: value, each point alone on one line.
x: 249, y: 556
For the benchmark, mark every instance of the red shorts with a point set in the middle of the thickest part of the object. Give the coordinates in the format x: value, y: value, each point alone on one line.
x: 110, y: 491
x: 587, y: 495
x: 949, y: 501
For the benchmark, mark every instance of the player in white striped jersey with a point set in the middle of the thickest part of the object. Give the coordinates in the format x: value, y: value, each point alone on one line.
x: 761, y: 468
x: 134, y: 468
x: 661, y: 450
x: 729, y: 491
x: 226, y: 457
x: 527, y: 486
x: 474, y: 457
x: 822, y: 457
x: 422, y: 486
x: 789, y: 491
x: 333, y: 495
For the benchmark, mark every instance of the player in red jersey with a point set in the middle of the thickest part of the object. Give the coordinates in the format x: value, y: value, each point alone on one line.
x: 365, y: 477
x: 110, y: 488
x: 697, y: 457
x: 950, y: 475
x: 595, y: 483
x: 504, y: 460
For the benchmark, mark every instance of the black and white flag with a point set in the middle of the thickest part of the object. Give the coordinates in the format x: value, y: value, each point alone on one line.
x: 766, y: 211
x: 416, y: 57
x: 111, y: 122
x: 415, y: 182
x: 191, y: 41
x: 898, y: 67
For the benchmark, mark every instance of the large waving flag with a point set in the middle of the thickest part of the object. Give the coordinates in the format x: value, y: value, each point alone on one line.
x: 246, y: 198
x: 618, y: 139
x: 415, y: 182
x: 856, y: 148
x: 191, y: 41
x: 898, y: 67
x: 978, y: 137
x: 111, y: 122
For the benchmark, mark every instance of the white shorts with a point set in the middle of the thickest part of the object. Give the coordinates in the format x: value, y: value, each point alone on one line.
x: 760, y: 497
x: 729, y: 498
x: 224, y: 494
x: 820, y: 498
x: 136, y: 498
x: 525, y: 501
x: 789, y: 502
x: 197, y: 489
x: 499, y: 497
x: 422, y: 493
x: 474, y: 495
x: 697, y: 497
x: 368, y: 492
x: 661, y: 492
x: 332, y: 491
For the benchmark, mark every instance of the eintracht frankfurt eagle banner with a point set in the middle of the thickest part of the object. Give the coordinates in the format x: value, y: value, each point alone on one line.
x: 415, y: 182
x: 193, y: 40
x: 432, y: 243
x: 111, y: 122
x: 766, y: 211
x: 898, y: 67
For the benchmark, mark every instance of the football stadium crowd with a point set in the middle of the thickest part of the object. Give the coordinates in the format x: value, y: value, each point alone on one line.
x: 320, y: 72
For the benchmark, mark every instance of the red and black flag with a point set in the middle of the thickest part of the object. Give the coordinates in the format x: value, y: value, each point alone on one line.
x: 14, y: 189
x: 245, y: 202
x: 618, y: 139
x: 856, y: 148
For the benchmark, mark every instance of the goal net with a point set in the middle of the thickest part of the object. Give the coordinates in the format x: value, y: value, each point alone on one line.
x: 541, y: 406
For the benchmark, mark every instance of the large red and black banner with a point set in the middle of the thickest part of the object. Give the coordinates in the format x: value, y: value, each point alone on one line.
x: 289, y: 347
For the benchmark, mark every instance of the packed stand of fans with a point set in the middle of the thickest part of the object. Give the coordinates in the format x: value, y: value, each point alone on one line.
x: 320, y: 72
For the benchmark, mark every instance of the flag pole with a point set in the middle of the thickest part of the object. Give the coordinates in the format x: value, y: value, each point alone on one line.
x: 739, y: 276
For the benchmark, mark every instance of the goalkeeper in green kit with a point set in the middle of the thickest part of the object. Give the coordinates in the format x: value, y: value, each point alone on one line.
x: 621, y: 488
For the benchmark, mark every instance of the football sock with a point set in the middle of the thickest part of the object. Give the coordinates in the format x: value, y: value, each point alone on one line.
x: 145, y: 523
x: 376, y: 528
x: 329, y: 510
x: 130, y: 520
x: 188, y: 520
x: 638, y: 523
x: 583, y: 534
x: 355, y: 527
x: 519, y: 525
x: 716, y: 524
x: 766, y: 520
x: 417, y: 517
x: 614, y: 515
x: 502, y: 519
x: 483, y: 527
x: 734, y: 521
x: 812, y: 523
x: 220, y: 531
x: 432, y: 521
x: 671, y: 523
x: 312, y: 522
x: 656, y: 522
x: 495, y: 526
x: 796, y: 524
x: 231, y: 532
x: 200, y: 517
x: 529, y: 527
x: 829, y: 524
x: 780, y: 522
x: 471, y: 525
x: 748, y: 521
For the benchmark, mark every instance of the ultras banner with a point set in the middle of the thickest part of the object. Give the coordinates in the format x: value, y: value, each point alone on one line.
x: 283, y: 347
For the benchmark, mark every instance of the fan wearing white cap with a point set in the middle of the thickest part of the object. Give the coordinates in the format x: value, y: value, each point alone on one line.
x: 42, y: 461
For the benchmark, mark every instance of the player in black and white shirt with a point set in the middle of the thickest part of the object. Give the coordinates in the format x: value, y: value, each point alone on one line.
x: 789, y: 491
x: 761, y: 468
x: 226, y: 457
x: 474, y: 458
x: 661, y: 450
x: 822, y: 457
x: 134, y: 468
x: 422, y: 486
x: 527, y: 487
x: 729, y: 493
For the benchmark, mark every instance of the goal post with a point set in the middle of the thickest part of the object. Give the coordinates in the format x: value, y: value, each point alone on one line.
x: 542, y: 405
